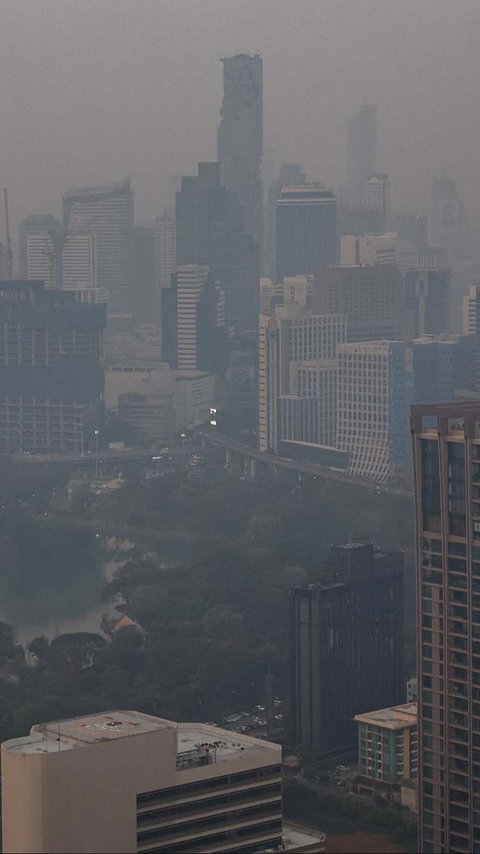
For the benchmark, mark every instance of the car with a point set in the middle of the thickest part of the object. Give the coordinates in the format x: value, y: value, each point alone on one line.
x: 260, y: 708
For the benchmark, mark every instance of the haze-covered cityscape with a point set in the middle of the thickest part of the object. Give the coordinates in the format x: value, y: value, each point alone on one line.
x: 240, y: 426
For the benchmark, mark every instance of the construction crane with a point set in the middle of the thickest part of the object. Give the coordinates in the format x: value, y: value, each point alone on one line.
x: 9, y: 239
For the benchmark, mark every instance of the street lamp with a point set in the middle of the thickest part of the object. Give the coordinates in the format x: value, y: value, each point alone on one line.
x: 97, y: 438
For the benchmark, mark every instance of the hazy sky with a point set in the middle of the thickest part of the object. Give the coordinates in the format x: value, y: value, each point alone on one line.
x: 93, y: 90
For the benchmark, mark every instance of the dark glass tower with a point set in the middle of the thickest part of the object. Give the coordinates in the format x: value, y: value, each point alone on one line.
x: 306, y: 230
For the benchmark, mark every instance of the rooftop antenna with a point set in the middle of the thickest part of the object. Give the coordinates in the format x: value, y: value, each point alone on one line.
x: 9, y: 239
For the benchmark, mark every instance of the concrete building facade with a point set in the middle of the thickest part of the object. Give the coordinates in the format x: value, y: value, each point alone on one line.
x: 387, y: 750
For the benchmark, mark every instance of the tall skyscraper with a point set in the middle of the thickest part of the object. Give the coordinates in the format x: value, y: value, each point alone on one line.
x: 240, y: 138
x: 361, y: 152
x: 306, y: 229
x: 200, y: 320
x: 346, y: 646
x: 36, y: 244
x: 106, y: 211
x: 51, y: 376
x: 446, y: 453
x: 210, y: 232
x: 268, y: 382
x: 376, y: 195
x: 427, y: 298
x: 444, y: 221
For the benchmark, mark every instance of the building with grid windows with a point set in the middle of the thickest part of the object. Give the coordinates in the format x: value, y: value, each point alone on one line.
x: 446, y: 452
x: 306, y: 229
x: 387, y: 750
x: 127, y: 781
x: 373, y: 398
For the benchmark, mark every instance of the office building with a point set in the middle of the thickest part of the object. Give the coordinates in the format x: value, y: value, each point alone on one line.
x: 51, y: 376
x: 373, y: 397
x: 210, y: 232
x: 106, y: 212
x: 372, y: 299
x: 361, y: 152
x: 387, y: 751
x: 126, y: 781
x: 151, y: 417
x: 240, y: 138
x: 165, y: 241
x: 346, y: 646
x: 289, y: 173
x: 79, y: 262
x: 427, y: 302
x: 470, y: 303
x: 445, y: 216
x: 306, y: 229
x: 35, y: 246
x: 446, y: 452
x: 200, y: 320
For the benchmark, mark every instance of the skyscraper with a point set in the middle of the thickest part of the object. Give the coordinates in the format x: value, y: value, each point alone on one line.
x: 446, y: 453
x: 51, y: 376
x: 210, y: 232
x: 240, y: 138
x: 306, y: 229
x: 361, y: 152
x: 346, y: 646
x: 200, y: 320
x: 289, y: 173
x: 106, y: 211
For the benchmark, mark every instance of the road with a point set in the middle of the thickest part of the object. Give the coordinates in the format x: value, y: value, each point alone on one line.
x: 311, y: 469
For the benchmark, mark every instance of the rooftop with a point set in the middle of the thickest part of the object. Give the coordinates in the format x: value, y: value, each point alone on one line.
x: 194, y: 740
x: 396, y: 717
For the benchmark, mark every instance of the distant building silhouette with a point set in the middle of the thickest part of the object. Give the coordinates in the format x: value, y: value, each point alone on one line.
x: 240, y: 138
x: 361, y: 152
x: 289, y: 173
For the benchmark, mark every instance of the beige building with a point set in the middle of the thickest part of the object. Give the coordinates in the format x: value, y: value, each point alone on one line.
x: 388, y: 751
x: 127, y: 782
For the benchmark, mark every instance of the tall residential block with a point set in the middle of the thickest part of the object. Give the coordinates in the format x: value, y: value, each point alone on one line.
x: 361, y: 152
x: 446, y: 453
x: 51, y: 374
x: 346, y: 646
x: 306, y: 229
x: 240, y: 138
x: 130, y: 782
x: 268, y: 381
x: 106, y: 211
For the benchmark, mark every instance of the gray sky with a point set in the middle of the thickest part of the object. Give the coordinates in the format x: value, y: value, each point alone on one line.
x: 93, y: 90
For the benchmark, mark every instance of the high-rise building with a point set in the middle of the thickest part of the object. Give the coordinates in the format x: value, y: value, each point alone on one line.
x: 200, y: 320
x: 306, y: 229
x: 446, y: 453
x: 79, y: 262
x: 165, y: 249
x: 387, y: 750
x: 372, y: 298
x: 51, y: 376
x: 377, y: 194
x: 444, y: 221
x: 361, y: 152
x: 289, y: 173
x: 373, y: 400
x: 346, y: 643
x: 210, y: 232
x: 106, y: 211
x: 126, y: 781
x: 240, y: 138
x: 268, y: 381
